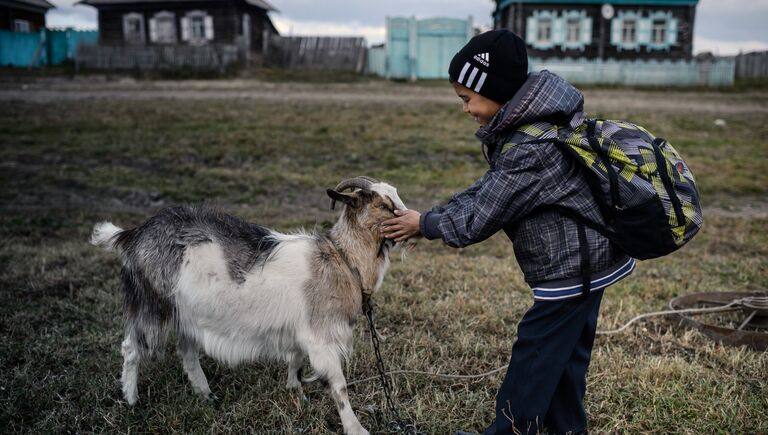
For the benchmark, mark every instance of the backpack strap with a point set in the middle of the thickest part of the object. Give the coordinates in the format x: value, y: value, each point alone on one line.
x: 661, y: 166
x: 613, y: 178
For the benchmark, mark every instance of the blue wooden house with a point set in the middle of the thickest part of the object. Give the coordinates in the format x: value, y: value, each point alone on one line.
x: 600, y: 29
x: 633, y: 42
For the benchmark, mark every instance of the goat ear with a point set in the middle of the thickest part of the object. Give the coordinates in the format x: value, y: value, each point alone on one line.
x: 349, y: 199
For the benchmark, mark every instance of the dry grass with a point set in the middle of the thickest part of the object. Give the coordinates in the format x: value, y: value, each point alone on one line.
x: 66, y: 165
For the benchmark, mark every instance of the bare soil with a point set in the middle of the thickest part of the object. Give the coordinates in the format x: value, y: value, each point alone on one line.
x: 45, y: 90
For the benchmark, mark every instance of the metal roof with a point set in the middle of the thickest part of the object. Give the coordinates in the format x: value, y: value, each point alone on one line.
x: 263, y: 4
x: 505, y: 3
x: 36, y: 3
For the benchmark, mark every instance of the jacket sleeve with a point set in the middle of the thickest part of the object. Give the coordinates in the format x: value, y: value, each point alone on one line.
x: 507, y: 192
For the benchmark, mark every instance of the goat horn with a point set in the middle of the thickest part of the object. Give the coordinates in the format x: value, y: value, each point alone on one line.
x: 361, y: 182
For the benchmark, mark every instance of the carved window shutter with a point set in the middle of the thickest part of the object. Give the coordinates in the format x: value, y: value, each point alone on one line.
x: 616, y: 31
x: 153, y: 30
x: 530, y: 30
x: 209, y: 27
x: 672, y: 31
x: 586, y: 30
x: 644, y: 30
x: 185, y: 28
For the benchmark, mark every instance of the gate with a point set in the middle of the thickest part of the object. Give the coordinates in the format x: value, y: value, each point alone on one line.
x: 423, y: 49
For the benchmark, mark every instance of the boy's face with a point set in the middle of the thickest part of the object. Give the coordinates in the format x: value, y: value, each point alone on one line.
x: 479, y: 107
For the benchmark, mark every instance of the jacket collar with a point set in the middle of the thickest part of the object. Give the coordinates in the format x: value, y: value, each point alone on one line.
x: 543, y: 96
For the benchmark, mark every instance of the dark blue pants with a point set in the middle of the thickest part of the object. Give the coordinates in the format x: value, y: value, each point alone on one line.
x: 545, y: 383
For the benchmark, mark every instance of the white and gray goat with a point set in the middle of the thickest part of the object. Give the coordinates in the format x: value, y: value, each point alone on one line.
x: 242, y: 292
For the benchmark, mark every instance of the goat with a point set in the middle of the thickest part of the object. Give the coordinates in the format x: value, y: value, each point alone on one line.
x: 242, y: 292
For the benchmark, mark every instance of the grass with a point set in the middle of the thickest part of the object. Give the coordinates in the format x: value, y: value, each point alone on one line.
x: 65, y: 166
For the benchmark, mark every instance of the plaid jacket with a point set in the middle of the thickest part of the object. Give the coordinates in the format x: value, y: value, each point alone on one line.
x: 524, y: 179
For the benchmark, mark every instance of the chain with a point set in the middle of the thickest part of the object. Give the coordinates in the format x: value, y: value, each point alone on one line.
x: 397, y: 424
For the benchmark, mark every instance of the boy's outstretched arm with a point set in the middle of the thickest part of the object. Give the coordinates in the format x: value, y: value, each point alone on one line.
x: 510, y: 190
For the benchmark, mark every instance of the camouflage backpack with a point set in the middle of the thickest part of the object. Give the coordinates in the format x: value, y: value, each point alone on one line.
x: 645, y: 191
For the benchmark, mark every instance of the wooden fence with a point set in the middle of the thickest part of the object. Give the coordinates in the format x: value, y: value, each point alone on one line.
x: 315, y: 52
x: 158, y: 57
x: 751, y: 65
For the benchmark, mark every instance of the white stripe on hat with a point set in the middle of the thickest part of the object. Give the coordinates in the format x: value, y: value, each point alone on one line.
x: 463, y: 71
x: 480, y: 82
x: 471, y: 77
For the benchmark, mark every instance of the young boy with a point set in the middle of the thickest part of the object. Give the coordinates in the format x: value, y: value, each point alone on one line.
x: 531, y: 192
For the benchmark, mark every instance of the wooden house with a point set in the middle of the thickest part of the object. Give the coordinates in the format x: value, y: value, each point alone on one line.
x: 23, y: 15
x: 601, y: 29
x: 183, y: 22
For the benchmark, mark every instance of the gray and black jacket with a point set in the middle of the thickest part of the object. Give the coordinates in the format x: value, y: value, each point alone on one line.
x: 519, y: 191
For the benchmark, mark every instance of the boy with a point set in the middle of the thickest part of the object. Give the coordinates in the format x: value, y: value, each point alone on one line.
x: 531, y: 192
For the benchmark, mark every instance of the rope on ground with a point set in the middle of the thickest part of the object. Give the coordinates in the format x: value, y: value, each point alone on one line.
x: 729, y: 307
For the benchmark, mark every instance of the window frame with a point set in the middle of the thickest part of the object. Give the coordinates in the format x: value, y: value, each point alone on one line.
x: 137, y: 35
x: 22, y: 26
x: 170, y: 37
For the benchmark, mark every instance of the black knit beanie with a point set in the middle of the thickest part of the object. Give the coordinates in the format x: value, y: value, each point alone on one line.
x: 494, y: 64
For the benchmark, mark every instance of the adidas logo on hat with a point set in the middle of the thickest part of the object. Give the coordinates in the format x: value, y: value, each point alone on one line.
x: 483, y: 58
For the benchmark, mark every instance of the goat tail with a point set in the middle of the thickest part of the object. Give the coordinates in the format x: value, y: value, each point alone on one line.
x: 104, y: 235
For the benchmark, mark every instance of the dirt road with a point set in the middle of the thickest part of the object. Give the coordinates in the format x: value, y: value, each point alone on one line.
x: 607, y: 100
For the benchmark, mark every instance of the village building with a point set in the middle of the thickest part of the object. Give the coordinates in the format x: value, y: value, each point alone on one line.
x: 23, y: 15
x: 600, y: 29
x: 184, y: 22
x: 627, y: 42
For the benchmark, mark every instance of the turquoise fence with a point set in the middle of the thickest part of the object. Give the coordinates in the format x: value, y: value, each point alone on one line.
x: 47, y: 47
x: 714, y: 72
x: 419, y: 49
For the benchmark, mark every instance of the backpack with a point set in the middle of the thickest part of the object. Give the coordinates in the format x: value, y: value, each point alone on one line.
x: 644, y: 189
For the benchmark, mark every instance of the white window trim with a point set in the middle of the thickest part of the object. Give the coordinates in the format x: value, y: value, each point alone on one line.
x: 141, y: 39
x: 559, y: 29
x: 621, y: 18
x: 669, y: 28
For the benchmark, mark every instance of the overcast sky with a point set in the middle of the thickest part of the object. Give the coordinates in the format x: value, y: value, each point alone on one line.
x: 722, y: 26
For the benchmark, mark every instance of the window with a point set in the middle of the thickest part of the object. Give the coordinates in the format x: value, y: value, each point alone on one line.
x: 162, y: 28
x: 659, y: 31
x: 573, y: 26
x: 197, y: 27
x: 133, y: 28
x: 544, y: 30
x: 21, y: 26
x: 629, y: 31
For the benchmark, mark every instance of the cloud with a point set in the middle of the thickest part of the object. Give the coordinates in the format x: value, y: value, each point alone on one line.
x: 67, y: 14
x: 374, y: 13
x: 726, y: 48
x: 286, y: 27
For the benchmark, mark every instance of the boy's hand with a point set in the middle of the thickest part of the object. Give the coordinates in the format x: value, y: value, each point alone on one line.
x: 402, y: 227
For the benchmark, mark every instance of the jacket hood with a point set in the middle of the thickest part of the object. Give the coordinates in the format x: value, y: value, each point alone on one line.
x: 543, y: 96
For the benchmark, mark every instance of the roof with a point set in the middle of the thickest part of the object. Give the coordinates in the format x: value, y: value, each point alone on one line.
x: 505, y: 3
x: 35, y: 3
x: 263, y: 4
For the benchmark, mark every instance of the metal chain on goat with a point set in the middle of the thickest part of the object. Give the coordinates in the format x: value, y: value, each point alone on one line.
x: 397, y: 424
